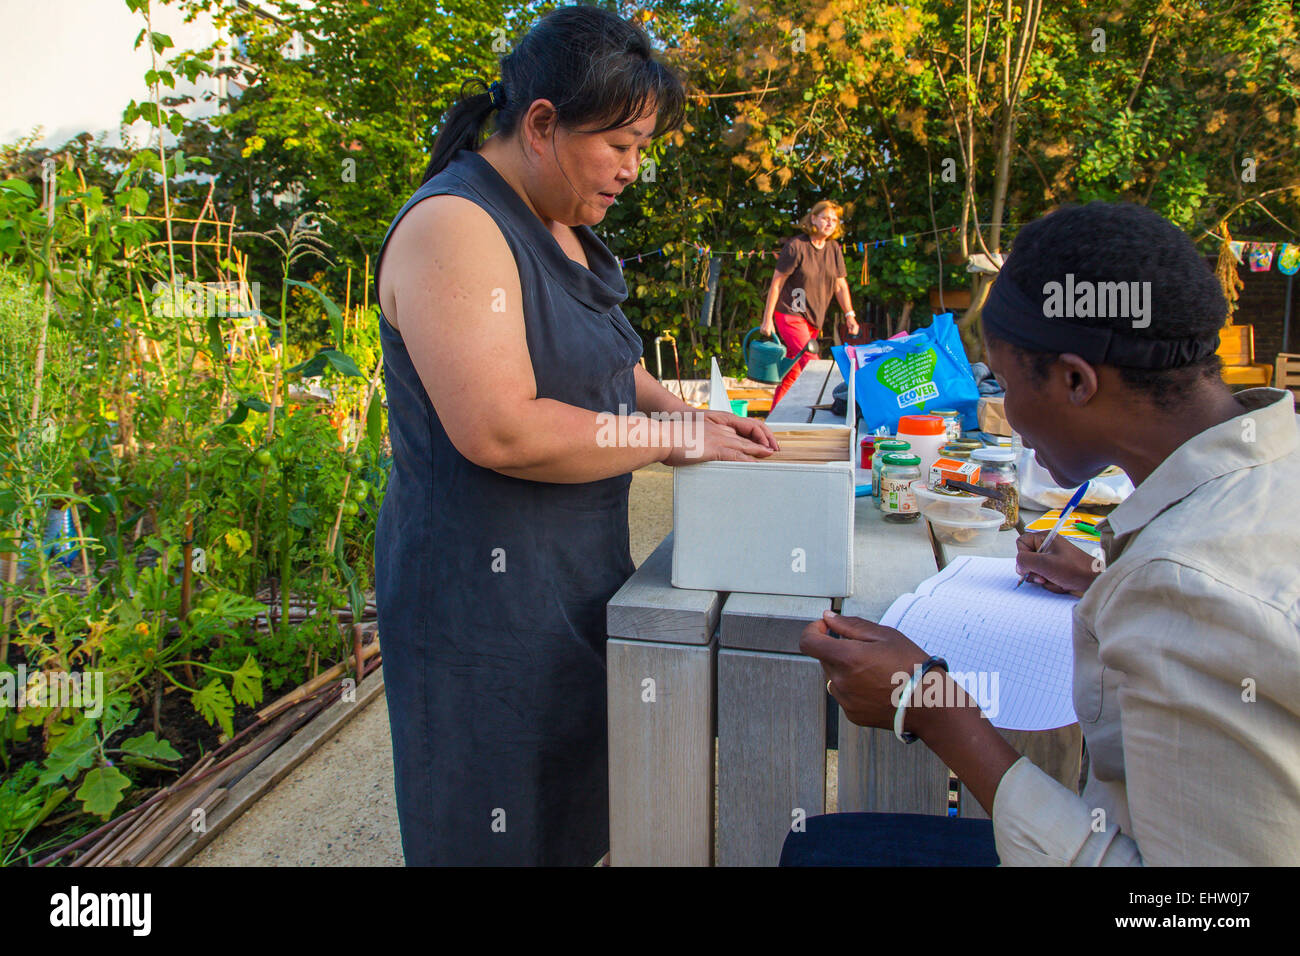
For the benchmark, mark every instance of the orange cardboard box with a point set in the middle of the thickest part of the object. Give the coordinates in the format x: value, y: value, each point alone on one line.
x: 946, y: 468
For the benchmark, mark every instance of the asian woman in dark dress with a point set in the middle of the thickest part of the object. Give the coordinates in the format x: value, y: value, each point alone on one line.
x: 504, y: 530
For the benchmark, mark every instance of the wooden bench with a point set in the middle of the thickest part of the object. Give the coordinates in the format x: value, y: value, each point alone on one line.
x: 760, y: 399
x: 1287, y: 372
x: 1237, y: 349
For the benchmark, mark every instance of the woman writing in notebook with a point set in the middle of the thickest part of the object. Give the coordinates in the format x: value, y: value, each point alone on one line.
x: 1187, y: 634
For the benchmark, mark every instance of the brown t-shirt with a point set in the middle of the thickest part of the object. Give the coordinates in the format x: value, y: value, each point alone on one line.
x: 813, y: 271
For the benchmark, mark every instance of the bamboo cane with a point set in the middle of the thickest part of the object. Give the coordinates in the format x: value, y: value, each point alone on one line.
x: 113, y: 840
x: 270, y: 734
x: 325, y: 677
x: 183, y: 826
x: 167, y: 821
x: 81, y: 541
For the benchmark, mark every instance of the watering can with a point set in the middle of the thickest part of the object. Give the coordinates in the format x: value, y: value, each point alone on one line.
x: 766, y: 360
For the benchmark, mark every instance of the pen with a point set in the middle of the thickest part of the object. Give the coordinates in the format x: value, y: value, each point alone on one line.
x: 1060, y: 523
x: 1085, y: 527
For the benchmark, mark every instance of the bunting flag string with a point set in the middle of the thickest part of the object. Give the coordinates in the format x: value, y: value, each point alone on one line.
x: 706, y: 251
x: 1261, y: 255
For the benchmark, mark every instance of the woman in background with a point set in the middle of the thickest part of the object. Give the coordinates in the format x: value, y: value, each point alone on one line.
x: 809, y: 272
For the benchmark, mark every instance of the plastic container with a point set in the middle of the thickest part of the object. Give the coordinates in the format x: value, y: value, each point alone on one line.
x: 740, y: 407
x: 966, y: 532
x: 868, y: 452
x: 898, y: 473
x: 926, y: 434
x: 884, y: 446
x: 947, y: 504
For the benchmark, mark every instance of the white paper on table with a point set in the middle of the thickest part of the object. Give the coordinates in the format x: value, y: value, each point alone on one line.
x: 1011, y: 650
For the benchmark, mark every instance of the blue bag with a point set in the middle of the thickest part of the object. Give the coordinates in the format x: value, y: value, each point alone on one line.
x: 910, y: 376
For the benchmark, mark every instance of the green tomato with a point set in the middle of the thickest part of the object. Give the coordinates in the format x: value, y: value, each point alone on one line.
x: 208, y: 600
x: 360, y: 493
x: 192, y: 467
x: 350, y: 508
x: 263, y: 457
x: 355, y: 463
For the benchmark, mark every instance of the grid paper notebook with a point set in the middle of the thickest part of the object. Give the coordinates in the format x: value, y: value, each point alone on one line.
x: 1009, y: 649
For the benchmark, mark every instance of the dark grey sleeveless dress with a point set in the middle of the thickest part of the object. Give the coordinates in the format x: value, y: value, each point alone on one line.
x: 491, y: 590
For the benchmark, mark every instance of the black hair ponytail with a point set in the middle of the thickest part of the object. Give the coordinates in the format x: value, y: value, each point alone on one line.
x: 462, y: 128
x: 593, y: 65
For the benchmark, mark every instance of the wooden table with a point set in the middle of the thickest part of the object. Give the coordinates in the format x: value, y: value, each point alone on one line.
x: 684, y: 665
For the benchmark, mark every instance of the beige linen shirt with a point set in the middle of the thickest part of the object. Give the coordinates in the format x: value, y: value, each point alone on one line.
x: 1186, y: 667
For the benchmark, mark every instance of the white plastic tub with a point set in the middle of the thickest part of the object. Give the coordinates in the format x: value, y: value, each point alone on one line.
x: 933, y: 504
x: 976, y: 532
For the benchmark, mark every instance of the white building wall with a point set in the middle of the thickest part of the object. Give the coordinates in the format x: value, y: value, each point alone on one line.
x: 68, y: 66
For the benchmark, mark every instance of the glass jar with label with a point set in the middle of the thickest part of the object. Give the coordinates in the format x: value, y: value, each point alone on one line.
x: 897, y: 500
x: 998, y: 473
x: 884, y: 446
x: 951, y: 423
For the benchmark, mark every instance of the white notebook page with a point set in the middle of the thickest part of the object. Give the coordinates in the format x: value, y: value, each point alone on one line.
x: 1010, y: 649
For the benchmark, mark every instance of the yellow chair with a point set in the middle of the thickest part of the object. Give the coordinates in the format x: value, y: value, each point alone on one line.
x: 1237, y: 349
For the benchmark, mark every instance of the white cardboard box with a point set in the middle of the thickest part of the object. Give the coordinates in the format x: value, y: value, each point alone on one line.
x: 767, y: 527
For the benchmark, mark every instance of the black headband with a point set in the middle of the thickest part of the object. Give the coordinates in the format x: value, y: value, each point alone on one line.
x: 1010, y: 315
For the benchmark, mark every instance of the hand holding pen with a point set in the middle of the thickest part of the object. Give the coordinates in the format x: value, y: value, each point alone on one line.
x: 1068, y: 570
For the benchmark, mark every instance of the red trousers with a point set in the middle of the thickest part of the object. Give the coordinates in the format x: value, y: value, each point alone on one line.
x: 795, y: 331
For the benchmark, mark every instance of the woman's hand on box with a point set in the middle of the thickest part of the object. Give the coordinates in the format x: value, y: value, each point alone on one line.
x: 752, y: 428
x: 705, y: 437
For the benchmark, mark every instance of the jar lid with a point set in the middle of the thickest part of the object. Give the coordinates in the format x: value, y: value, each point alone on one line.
x: 897, y: 459
x: 946, y: 413
x: 994, y: 454
x: 921, y: 425
x: 892, y: 444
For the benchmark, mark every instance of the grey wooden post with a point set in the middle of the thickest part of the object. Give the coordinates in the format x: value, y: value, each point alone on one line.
x: 771, y: 726
x: 661, y: 661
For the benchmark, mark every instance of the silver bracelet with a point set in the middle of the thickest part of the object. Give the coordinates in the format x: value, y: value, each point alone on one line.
x: 908, y: 688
